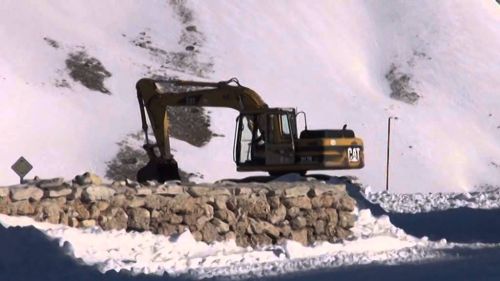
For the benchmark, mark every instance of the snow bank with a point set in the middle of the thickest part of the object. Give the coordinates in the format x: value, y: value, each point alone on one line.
x: 375, y: 240
x: 428, y: 202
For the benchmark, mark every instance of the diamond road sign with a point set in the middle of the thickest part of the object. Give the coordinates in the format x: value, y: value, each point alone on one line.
x: 22, y: 167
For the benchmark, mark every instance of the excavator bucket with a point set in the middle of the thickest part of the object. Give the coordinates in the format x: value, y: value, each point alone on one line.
x: 160, y: 172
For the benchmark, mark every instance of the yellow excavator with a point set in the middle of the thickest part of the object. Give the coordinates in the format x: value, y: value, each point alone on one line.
x: 266, y: 139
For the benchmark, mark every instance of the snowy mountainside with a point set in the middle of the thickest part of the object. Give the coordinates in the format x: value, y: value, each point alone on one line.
x: 432, y: 64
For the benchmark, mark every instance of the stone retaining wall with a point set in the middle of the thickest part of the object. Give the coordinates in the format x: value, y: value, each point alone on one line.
x: 254, y: 214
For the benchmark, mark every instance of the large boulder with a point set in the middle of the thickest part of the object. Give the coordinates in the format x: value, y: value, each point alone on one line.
x: 60, y: 191
x: 298, y: 223
x: 50, y: 183
x: 331, y: 230
x: 26, y: 193
x: 256, y: 227
x: 143, y: 191
x: 4, y: 192
x: 285, y: 230
x: 118, y: 200
x: 88, y: 223
x: 200, y: 215
x: 296, y: 191
x: 81, y: 210
x: 220, y: 202
x: 257, y: 240
x: 88, y: 179
x: 332, y: 216
x: 113, y: 218
x: 76, y: 193
x: 155, y: 201
x: 64, y: 218
x: 300, y: 236
x: 200, y: 190
x: 98, y: 192
x: 4, y: 205
x: 170, y: 190
x: 242, y: 240
x: 94, y: 211
x: 323, y: 201
x: 175, y: 219
x: 255, y: 206
x: 277, y: 215
x: 183, y: 204
x: 319, y: 227
x: 274, y: 201
x: 243, y: 190
x: 221, y: 226
x: 21, y: 208
x: 347, y: 204
x: 311, y: 216
x: 301, y: 202
x: 138, y: 219
x: 270, y: 229
x: 292, y: 212
x: 343, y: 233
x: 201, y: 221
x: 346, y: 219
x: 167, y: 229
x: 323, y: 189
x: 103, y: 205
x: 226, y: 216
x: 209, y: 233
x: 136, y: 202
x: 51, y: 210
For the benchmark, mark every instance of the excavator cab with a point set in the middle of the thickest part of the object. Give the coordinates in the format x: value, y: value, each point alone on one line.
x: 268, y: 140
x: 264, y: 138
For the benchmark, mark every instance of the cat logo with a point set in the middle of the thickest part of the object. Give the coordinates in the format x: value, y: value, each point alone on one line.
x: 353, y: 154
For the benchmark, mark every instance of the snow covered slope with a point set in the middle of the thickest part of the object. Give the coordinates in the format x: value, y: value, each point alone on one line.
x: 339, y: 61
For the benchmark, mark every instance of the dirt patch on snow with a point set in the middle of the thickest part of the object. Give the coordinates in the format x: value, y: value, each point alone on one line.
x: 401, y: 89
x: 51, y: 42
x: 131, y: 157
x: 186, y: 61
x: 189, y: 124
x: 87, y: 70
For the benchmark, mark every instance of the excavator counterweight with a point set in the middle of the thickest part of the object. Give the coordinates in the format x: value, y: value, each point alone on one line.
x: 266, y: 138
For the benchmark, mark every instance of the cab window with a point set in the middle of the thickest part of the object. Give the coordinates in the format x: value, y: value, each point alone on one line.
x: 285, y: 127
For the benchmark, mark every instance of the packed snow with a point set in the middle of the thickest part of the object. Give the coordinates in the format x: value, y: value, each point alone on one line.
x: 428, y: 202
x: 376, y: 240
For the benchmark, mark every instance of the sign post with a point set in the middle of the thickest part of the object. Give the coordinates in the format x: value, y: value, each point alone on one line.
x: 388, y: 150
x: 22, y: 167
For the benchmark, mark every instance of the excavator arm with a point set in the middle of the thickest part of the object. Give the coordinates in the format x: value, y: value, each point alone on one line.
x: 155, y: 95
